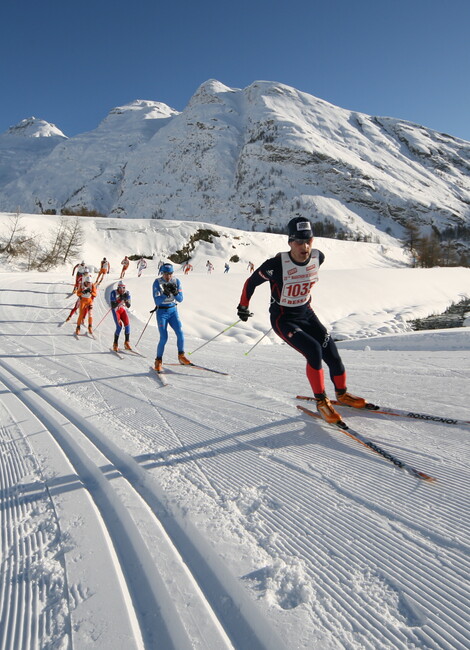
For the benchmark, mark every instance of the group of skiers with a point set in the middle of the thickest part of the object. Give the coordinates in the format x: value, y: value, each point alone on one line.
x: 86, y: 291
x: 166, y: 291
x: 291, y: 275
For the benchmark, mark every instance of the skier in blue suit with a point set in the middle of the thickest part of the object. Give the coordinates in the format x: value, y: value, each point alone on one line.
x: 167, y: 293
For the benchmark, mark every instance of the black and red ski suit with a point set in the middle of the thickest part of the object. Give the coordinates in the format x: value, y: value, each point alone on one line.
x: 298, y: 325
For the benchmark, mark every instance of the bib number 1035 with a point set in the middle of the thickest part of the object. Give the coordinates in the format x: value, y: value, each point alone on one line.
x: 297, y: 289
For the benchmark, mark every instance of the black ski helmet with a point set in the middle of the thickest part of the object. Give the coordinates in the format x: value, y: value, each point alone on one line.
x: 299, y: 228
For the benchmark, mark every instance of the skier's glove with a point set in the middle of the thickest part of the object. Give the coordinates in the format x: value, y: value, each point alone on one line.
x: 243, y: 313
x: 128, y: 304
x: 170, y: 289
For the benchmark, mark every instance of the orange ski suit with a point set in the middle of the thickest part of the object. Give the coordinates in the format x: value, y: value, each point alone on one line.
x: 86, y: 303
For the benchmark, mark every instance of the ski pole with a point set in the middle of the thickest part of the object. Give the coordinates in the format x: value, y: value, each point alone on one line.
x: 102, y: 319
x: 259, y: 341
x: 153, y: 310
x: 49, y: 318
x: 214, y: 337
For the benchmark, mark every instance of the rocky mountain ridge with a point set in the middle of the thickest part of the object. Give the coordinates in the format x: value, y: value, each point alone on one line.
x: 248, y: 158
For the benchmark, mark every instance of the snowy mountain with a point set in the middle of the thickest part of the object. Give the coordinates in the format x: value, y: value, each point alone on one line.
x: 251, y: 159
x: 25, y: 145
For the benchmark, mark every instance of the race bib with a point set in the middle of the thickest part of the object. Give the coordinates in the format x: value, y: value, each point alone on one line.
x: 297, y: 281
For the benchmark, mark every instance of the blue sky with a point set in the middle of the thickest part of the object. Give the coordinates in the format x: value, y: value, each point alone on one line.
x: 70, y: 63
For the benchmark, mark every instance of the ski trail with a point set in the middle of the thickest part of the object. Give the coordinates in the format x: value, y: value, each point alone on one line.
x: 149, y: 579
x: 286, y: 452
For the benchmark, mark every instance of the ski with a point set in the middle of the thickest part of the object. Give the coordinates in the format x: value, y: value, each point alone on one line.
x: 355, y: 435
x: 159, y: 375
x: 399, y: 413
x: 195, y: 365
x: 138, y: 354
x: 117, y: 353
x: 85, y: 334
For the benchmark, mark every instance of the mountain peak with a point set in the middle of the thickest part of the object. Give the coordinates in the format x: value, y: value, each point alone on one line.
x: 33, y: 127
x: 208, y: 92
x: 150, y: 109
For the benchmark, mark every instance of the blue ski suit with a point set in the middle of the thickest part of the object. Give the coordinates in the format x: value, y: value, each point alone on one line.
x: 167, y: 313
x: 121, y: 317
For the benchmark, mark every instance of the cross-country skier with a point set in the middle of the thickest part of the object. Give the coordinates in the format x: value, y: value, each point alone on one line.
x: 187, y: 268
x: 167, y: 292
x: 120, y: 299
x: 125, y: 265
x: 141, y: 266
x: 292, y: 275
x: 86, y: 293
x: 104, y: 269
x: 81, y: 270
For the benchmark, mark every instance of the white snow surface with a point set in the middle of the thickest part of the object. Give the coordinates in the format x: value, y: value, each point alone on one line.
x: 209, y: 512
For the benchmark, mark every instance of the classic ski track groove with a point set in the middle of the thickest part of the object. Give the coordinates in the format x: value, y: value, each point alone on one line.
x: 178, y: 636
x: 328, y: 577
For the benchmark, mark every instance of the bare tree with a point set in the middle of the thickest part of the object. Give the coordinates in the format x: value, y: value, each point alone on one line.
x: 66, y: 242
x: 16, y: 241
x: 73, y: 239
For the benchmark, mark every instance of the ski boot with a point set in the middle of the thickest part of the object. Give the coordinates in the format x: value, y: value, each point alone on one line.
x: 350, y: 400
x: 158, y: 364
x: 326, y: 410
x: 183, y: 360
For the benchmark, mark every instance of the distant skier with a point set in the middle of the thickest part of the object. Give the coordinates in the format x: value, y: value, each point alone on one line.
x: 86, y: 293
x: 292, y: 275
x: 187, y: 268
x: 81, y: 270
x: 226, y: 267
x: 141, y: 266
x: 120, y: 299
x: 104, y: 269
x: 167, y: 292
x: 250, y: 267
x: 125, y: 265
x: 209, y: 266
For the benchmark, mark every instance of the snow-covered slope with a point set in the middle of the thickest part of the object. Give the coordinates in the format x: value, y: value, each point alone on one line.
x: 251, y: 159
x: 210, y: 513
x: 375, y: 276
